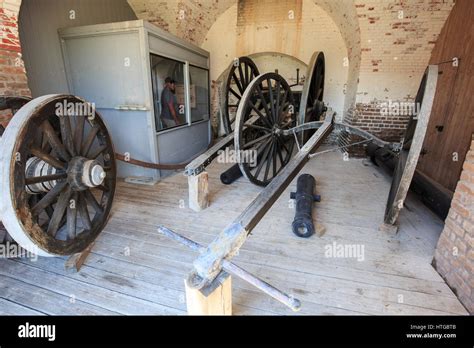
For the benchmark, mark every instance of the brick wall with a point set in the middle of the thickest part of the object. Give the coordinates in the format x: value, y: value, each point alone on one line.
x: 13, y: 79
x: 373, y: 118
x: 397, y: 38
x: 454, y: 255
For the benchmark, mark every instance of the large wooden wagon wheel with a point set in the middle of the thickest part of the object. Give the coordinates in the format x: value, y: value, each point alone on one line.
x: 269, y: 102
x: 242, y: 71
x: 411, y: 144
x: 58, y: 175
x: 311, y: 106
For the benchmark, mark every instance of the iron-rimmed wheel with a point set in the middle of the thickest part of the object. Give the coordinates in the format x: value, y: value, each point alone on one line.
x: 268, y: 102
x: 406, y: 160
x: 311, y: 106
x: 58, y: 175
x: 242, y: 71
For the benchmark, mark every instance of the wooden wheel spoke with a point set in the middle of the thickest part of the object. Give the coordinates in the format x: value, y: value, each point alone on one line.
x: 263, y: 159
x: 92, y: 201
x: 231, y: 90
x: 283, y: 103
x: 243, y: 81
x: 49, y: 198
x: 254, y: 126
x: 98, y: 151
x: 72, y: 217
x: 79, y: 132
x: 274, y: 160
x: 262, y: 146
x: 264, y: 103
x: 268, y: 162
x: 280, y: 155
x: 89, y: 140
x: 48, y: 158
x: 54, y: 141
x: 102, y: 188
x: 261, y: 116
x: 38, y: 179
x: 283, y: 145
x: 59, y: 211
x: 83, y: 212
x: 272, y: 101
x: 66, y: 134
x: 237, y: 83
x: 253, y: 142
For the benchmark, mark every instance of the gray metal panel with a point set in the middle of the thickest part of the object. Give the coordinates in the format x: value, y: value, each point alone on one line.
x: 39, y: 21
x: 106, y: 69
x: 182, y: 144
x: 130, y: 134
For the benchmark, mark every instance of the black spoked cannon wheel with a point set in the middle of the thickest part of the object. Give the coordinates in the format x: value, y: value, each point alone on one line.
x: 312, y: 107
x: 242, y: 71
x: 58, y: 175
x: 266, y: 109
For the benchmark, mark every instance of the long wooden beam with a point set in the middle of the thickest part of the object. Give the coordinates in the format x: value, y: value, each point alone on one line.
x: 208, y: 265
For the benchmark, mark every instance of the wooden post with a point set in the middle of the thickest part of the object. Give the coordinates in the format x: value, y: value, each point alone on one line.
x: 214, y: 299
x: 75, y: 261
x: 198, y: 191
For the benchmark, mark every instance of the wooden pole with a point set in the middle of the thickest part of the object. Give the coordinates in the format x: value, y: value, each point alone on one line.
x: 213, y: 299
x: 198, y: 191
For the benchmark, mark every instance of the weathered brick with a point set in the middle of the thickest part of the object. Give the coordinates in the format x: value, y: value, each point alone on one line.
x: 458, y: 232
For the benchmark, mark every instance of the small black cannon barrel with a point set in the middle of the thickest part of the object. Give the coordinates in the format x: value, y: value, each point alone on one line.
x: 231, y: 174
x: 303, y: 223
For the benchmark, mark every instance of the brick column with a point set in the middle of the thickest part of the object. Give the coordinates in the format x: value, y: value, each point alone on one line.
x: 454, y: 255
x: 13, y: 79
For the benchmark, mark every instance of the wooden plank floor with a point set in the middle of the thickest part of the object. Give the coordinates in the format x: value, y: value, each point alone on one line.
x: 133, y: 270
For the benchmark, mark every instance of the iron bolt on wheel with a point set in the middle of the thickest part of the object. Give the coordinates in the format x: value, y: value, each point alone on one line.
x: 58, y: 175
x: 269, y: 104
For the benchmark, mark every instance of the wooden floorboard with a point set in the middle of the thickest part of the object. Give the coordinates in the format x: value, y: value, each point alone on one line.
x: 133, y: 270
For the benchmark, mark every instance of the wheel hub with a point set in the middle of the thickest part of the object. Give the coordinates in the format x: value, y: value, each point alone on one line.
x: 84, y: 173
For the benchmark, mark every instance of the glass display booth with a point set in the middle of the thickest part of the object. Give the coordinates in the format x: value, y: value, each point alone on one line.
x: 151, y: 88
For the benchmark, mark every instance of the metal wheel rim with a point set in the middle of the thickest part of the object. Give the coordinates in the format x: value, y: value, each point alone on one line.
x: 274, y: 150
x: 245, y: 72
x: 17, y: 205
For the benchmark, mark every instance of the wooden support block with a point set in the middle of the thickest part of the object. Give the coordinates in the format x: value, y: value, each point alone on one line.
x: 214, y: 299
x: 75, y: 262
x: 198, y: 191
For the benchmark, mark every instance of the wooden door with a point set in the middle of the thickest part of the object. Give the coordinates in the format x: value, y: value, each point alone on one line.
x: 452, y: 118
